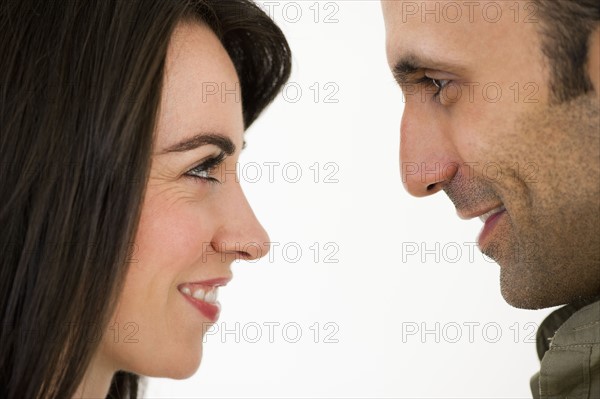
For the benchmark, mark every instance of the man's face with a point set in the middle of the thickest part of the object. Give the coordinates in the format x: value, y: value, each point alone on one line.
x: 479, y: 124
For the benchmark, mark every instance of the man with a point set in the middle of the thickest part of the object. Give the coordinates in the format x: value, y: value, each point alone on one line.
x: 502, y: 114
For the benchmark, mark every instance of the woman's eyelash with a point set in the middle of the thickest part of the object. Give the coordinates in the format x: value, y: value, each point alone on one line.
x: 206, y: 169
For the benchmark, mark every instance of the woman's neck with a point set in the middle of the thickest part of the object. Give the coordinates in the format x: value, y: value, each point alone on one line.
x: 96, y: 381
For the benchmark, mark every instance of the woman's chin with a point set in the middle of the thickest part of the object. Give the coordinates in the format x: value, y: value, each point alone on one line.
x: 183, y: 374
x: 185, y: 368
x: 177, y: 369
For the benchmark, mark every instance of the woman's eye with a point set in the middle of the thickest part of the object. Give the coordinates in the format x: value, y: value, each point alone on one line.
x: 206, y: 170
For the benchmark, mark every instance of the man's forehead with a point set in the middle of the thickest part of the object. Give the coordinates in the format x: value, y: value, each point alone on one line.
x: 444, y: 16
x: 420, y: 38
x: 448, y: 5
x: 454, y: 30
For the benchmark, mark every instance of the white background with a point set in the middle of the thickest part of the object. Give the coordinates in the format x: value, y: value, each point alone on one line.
x: 377, y: 293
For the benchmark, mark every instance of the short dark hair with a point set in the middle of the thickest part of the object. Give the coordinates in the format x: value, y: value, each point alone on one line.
x: 80, y: 87
x: 565, y: 27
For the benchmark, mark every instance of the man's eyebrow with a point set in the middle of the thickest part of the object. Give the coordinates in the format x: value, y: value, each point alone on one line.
x: 221, y: 141
x: 410, y: 64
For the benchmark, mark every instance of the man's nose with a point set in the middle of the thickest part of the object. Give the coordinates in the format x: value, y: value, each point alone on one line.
x: 428, y: 159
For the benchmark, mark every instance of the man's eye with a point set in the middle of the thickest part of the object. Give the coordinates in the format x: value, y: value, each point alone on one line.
x: 439, y: 84
x: 206, y: 169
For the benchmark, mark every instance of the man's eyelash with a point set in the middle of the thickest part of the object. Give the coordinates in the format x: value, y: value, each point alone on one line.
x: 205, y: 169
x: 427, y: 81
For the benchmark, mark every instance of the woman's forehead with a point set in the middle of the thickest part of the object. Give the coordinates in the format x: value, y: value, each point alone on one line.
x: 201, y: 90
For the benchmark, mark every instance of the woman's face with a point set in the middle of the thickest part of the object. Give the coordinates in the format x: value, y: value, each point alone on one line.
x: 195, y: 219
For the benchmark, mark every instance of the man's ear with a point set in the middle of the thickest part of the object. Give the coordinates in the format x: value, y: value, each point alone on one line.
x: 593, y: 62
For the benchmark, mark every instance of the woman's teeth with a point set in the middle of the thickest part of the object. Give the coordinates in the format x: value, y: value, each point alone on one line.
x: 203, y: 294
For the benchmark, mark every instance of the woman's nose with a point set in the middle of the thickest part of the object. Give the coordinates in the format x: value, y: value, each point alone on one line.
x: 241, y: 232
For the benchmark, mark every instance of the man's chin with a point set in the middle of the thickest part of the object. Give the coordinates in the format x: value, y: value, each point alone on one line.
x: 521, y: 301
x: 524, y: 291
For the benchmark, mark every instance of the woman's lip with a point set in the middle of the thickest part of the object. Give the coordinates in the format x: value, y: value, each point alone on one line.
x: 488, y: 227
x: 215, y: 282
x: 209, y: 310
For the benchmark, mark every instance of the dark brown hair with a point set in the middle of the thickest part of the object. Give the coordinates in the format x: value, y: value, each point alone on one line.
x: 80, y: 85
x: 566, y: 26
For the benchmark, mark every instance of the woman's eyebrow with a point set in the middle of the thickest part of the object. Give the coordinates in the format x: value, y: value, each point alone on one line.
x: 201, y: 139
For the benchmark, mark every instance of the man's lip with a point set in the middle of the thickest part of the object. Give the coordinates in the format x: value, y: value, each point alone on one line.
x: 475, y: 214
x: 488, y: 228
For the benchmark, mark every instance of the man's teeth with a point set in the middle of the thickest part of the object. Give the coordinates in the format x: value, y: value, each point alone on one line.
x: 207, y: 295
x: 485, y: 216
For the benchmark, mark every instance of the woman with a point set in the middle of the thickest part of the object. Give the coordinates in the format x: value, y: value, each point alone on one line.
x: 120, y: 126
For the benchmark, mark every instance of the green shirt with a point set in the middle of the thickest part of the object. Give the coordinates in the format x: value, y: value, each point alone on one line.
x: 568, y: 343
